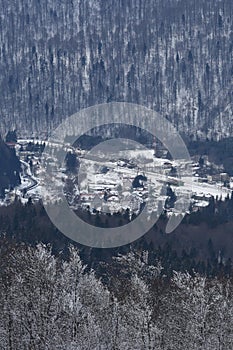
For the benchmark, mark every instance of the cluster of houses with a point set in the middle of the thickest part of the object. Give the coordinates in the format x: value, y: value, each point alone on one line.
x: 113, y: 197
x: 111, y: 188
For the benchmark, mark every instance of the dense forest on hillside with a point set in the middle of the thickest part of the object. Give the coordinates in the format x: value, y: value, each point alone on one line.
x: 173, y: 56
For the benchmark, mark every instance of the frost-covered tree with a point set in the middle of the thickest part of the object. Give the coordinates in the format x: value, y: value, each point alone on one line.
x: 49, y: 303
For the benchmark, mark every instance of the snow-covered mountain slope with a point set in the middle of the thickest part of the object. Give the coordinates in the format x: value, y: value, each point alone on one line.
x: 57, y: 57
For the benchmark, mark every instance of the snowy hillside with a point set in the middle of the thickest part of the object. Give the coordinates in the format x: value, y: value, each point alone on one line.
x: 172, y: 56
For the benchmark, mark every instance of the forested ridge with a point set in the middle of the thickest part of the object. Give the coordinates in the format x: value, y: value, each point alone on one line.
x: 172, y: 56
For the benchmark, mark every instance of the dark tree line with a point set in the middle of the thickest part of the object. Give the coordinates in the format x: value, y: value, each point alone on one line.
x: 9, y: 168
x: 202, y: 242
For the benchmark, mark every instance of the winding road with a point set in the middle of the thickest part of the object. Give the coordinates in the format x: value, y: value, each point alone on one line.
x: 27, y: 173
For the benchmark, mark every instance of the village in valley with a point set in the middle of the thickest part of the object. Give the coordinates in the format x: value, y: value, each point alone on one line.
x: 118, y: 177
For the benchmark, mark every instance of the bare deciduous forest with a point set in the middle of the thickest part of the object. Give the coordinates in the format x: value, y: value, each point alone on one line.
x: 173, y: 56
